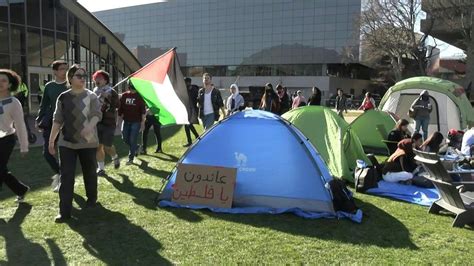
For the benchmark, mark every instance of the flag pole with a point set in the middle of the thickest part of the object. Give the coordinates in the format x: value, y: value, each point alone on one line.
x: 138, y: 71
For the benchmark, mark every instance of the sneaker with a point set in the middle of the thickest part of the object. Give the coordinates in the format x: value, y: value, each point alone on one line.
x: 143, y: 152
x: 61, y: 219
x: 117, y: 163
x: 186, y: 145
x: 139, y: 148
x: 55, y: 182
x: 21, y: 199
x: 101, y: 172
x: 158, y: 150
x: 129, y: 162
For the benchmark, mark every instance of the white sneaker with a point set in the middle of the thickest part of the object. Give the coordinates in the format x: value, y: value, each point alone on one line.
x: 21, y: 199
x: 55, y: 183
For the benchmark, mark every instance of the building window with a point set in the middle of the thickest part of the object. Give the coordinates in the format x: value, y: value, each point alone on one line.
x: 34, y: 47
x: 3, y: 10
x: 47, y: 13
x: 32, y: 13
x: 4, y: 38
x: 18, y: 45
x: 17, y: 12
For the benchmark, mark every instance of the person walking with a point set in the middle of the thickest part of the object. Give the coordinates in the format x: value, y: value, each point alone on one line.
x: 11, y: 122
x: 368, y: 103
x: 193, y: 91
x: 133, y: 112
x: 299, y: 100
x: 270, y: 102
x: 235, y: 102
x: 284, y: 99
x: 420, y: 111
x: 75, y: 117
x: 44, y: 120
x: 152, y: 121
x: 341, y: 103
x: 210, y: 102
x: 315, y: 98
x: 109, y: 101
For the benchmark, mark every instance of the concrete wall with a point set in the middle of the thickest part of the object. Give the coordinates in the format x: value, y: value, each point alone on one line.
x: 326, y: 84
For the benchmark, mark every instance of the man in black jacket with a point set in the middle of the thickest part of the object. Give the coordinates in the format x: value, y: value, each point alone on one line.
x: 193, y: 95
x: 209, y: 102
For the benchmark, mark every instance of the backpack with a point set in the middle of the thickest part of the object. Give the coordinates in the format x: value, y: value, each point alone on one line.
x: 342, y: 197
x: 365, y: 178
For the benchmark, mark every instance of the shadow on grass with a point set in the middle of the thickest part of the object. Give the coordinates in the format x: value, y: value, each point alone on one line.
x: 165, y: 157
x: 142, y: 196
x: 145, y: 166
x: 113, y: 239
x: 378, y: 227
x: 20, y: 250
x: 35, y: 172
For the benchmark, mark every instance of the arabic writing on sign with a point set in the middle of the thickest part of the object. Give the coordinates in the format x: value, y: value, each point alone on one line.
x: 204, y: 185
x: 212, y: 177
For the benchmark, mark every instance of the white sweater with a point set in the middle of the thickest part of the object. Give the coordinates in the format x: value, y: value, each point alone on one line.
x: 11, y: 121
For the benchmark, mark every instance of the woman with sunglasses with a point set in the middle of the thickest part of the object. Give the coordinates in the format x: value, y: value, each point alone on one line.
x: 76, y: 116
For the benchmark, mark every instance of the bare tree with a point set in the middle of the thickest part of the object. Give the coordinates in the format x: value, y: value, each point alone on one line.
x: 457, y: 18
x: 388, y: 31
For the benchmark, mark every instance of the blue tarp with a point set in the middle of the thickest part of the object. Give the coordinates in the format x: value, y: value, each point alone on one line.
x: 408, y: 193
x: 357, y: 217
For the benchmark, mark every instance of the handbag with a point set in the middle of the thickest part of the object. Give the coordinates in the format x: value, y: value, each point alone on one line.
x: 365, y: 178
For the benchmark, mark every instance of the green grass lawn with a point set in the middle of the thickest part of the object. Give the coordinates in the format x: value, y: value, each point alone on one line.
x: 129, y: 229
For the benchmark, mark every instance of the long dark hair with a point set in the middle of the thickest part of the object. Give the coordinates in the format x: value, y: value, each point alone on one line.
x: 433, y: 142
x: 13, y: 79
x: 401, y: 123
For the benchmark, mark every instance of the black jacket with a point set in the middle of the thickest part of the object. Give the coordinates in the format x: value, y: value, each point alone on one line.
x: 216, y: 100
x: 315, y: 99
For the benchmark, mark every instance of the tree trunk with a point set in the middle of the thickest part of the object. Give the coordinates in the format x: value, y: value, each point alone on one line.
x: 470, y: 69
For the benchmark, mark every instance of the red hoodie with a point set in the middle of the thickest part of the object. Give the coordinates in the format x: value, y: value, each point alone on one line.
x: 132, y: 107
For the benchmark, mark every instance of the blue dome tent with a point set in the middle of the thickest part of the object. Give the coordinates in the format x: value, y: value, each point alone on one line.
x: 278, y: 170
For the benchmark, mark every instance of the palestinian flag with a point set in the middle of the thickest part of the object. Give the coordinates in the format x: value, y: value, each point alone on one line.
x: 161, y: 85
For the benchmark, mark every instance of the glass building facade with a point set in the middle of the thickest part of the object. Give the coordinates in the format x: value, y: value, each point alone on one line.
x: 243, y: 37
x: 34, y: 33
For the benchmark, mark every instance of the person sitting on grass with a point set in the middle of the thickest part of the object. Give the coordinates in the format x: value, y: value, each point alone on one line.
x: 397, y: 134
x: 417, y: 140
x: 467, y: 146
x: 401, y: 164
x: 433, y: 143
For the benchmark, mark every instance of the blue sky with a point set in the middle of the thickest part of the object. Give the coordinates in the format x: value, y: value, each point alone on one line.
x: 97, y: 5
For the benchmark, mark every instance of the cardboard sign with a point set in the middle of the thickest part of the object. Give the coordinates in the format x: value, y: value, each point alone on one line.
x: 204, y: 185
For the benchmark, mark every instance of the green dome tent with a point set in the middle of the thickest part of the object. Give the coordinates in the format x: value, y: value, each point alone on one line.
x: 365, y: 126
x: 332, y: 136
x: 451, y: 108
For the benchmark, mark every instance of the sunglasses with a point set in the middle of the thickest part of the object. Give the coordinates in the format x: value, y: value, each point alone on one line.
x: 79, y: 76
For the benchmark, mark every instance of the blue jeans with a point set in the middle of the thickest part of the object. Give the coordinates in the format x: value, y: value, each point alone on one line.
x: 208, y: 121
x: 422, y: 122
x: 130, y: 132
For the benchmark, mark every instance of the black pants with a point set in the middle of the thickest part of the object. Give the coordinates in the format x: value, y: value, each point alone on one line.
x: 149, y: 122
x: 190, y: 128
x: 6, y: 148
x: 68, y: 158
x: 50, y: 159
